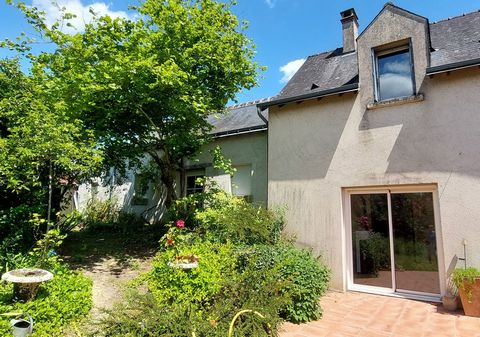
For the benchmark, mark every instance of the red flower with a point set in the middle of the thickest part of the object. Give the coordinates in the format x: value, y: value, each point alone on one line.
x: 180, y: 223
x: 170, y: 242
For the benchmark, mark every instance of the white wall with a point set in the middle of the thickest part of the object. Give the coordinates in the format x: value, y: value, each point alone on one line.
x: 123, y: 193
x: 247, y: 150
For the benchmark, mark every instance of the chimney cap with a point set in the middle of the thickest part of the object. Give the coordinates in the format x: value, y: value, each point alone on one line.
x: 349, y: 13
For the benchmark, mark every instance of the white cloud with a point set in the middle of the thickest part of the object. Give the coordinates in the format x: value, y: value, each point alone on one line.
x: 271, y: 3
x: 290, y: 69
x: 399, y: 67
x: 395, y: 85
x: 53, y: 12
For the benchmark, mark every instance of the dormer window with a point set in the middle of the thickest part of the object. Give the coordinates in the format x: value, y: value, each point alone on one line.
x: 393, y: 73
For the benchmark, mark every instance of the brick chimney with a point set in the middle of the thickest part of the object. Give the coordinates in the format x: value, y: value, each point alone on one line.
x: 350, y: 30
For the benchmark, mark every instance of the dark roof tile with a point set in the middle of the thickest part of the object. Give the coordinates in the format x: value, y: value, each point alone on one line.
x: 455, y: 39
x: 238, y: 118
x: 322, y: 72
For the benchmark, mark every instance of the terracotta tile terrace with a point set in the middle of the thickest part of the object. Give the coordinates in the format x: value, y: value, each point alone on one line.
x: 364, y: 315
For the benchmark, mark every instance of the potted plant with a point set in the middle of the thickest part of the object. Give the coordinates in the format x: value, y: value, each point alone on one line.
x: 185, y: 261
x: 174, y: 239
x: 467, y: 282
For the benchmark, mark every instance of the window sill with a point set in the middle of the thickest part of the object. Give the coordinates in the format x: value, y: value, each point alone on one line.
x: 396, y: 101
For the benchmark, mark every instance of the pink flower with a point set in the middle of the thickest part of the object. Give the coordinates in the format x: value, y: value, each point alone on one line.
x: 180, y: 223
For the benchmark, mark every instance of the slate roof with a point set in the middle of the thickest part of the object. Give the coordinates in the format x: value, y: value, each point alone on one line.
x: 453, y: 40
x: 321, y: 72
x: 239, y: 119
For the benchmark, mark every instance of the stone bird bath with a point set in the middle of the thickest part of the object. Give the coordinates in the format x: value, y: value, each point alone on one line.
x: 26, y: 282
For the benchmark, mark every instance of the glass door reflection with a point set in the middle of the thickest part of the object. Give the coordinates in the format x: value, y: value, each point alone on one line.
x: 370, y: 240
x: 415, y: 243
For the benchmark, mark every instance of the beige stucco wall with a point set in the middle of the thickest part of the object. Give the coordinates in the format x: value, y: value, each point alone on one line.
x: 317, y: 148
x: 246, y: 149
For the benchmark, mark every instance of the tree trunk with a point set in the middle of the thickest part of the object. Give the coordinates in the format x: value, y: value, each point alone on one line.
x: 167, y: 176
x: 168, y: 179
x: 50, y: 188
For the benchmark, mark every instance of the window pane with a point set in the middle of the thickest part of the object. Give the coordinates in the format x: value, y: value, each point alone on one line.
x: 416, y: 266
x: 193, y: 185
x: 395, y: 75
x: 190, y: 182
x: 370, y: 240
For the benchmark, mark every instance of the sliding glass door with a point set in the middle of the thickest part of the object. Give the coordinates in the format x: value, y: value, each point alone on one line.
x: 394, y: 241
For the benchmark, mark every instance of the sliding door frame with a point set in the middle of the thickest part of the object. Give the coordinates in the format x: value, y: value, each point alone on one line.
x: 388, y: 190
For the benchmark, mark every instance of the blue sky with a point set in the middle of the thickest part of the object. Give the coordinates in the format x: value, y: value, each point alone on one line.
x: 284, y: 31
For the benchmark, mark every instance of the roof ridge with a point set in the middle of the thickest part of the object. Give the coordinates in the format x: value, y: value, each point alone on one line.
x: 455, y: 17
x: 249, y: 103
x: 322, y: 52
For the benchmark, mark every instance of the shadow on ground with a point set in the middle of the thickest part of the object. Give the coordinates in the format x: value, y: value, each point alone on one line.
x: 111, y: 259
x: 87, y: 249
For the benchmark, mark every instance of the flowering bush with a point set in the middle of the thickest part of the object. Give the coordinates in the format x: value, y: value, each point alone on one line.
x: 364, y: 222
x: 242, y: 264
x: 180, y: 224
x: 177, y: 236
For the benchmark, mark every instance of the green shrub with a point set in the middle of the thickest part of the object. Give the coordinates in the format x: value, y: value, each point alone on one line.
x: 305, y: 278
x: 221, y: 217
x: 68, y: 222
x: 141, y: 315
x: 187, y: 207
x: 169, y: 284
x: 107, y: 215
x: 242, y: 264
x: 229, y: 218
x: 377, y: 251
x: 129, y: 222
x: 203, y: 308
x: 17, y: 233
x: 101, y: 213
x: 60, y: 301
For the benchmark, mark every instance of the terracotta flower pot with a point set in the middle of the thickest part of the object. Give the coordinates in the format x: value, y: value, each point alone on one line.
x: 470, y: 297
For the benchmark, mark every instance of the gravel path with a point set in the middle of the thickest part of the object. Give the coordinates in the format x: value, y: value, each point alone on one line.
x: 110, y: 260
x: 110, y: 276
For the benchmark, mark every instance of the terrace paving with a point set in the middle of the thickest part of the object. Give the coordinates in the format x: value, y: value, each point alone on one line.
x: 365, y: 315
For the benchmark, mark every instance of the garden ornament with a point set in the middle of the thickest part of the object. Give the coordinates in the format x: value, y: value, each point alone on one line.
x: 20, y: 327
x: 26, y: 282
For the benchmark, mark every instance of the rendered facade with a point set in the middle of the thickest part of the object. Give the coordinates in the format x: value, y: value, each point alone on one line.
x: 375, y: 150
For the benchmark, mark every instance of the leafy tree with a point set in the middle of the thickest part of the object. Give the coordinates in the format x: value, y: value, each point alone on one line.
x: 147, y: 85
x: 41, y: 147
